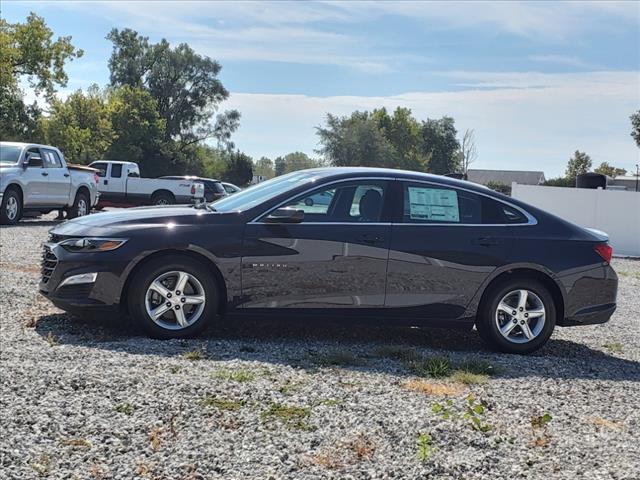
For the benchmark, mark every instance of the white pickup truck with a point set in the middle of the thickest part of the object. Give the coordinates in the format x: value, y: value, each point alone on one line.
x: 36, y: 178
x: 120, y: 185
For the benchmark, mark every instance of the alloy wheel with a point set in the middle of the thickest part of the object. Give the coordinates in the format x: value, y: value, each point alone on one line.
x: 520, y: 316
x: 82, y: 207
x: 12, y: 208
x: 175, y: 300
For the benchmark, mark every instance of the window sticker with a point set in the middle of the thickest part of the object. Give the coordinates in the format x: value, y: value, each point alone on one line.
x: 436, y: 205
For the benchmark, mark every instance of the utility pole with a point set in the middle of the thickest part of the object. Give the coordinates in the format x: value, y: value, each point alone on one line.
x: 637, y: 175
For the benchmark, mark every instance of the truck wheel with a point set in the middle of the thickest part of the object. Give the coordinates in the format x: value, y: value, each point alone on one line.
x: 162, y: 198
x: 11, y: 208
x: 80, y: 206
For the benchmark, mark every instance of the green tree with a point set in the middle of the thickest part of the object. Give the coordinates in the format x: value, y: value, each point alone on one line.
x: 578, y: 164
x: 609, y: 170
x: 184, y: 84
x: 356, y: 140
x: 28, y: 52
x: 635, y: 127
x: 138, y: 130
x: 499, y: 187
x: 293, y: 162
x: 239, y: 168
x: 560, y: 182
x: 80, y: 125
x: 442, y: 146
x: 264, y: 167
x: 402, y: 131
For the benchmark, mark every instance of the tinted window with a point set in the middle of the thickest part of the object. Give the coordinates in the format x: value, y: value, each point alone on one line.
x: 440, y: 204
x: 51, y: 159
x: 217, y: 187
x: 9, y: 153
x: 101, y: 167
x: 116, y: 170
x: 346, y: 202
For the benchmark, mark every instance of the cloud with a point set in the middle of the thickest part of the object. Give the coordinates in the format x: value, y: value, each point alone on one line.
x: 536, y: 125
x: 567, y: 60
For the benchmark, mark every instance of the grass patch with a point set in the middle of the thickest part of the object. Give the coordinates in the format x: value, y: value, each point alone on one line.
x: 294, y: 417
x: 430, y: 388
x: 397, y: 353
x: 614, y: 347
x: 434, y: 367
x: 468, y: 372
x: 241, y: 375
x: 331, y: 402
x: 79, y: 443
x: 194, y: 355
x: 221, y: 403
x: 469, y: 378
x: 125, y: 408
x: 337, y: 358
x: 175, y: 369
x: 425, y: 447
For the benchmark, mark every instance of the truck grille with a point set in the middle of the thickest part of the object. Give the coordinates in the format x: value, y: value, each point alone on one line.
x: 48, y: 264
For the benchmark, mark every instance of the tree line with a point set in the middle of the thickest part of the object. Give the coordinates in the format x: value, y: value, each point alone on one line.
x: 162, y: 108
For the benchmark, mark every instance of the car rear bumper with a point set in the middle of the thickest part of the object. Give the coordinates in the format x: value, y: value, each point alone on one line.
x: 590, y: 316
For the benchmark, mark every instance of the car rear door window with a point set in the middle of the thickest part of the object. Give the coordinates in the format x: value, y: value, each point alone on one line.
x: 51, y: 159
x: 116, y: 170
x: 101, y: 167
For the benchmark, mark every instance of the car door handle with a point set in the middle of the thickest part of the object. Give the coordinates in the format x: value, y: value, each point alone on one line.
x: 371, y: 239
x: 106, y: 182
x: 66, y: 174
x: 44, y: 174
x: 485, y: 242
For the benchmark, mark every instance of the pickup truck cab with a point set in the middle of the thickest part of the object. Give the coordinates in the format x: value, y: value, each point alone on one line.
x: 120, y: 184
x: 36, y: 178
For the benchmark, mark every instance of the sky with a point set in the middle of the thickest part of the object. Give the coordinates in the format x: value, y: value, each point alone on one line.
x: 534, y: 80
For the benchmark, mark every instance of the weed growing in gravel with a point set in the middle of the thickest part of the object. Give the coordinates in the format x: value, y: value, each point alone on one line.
x: 175, y: 369
x: 468, y: 378
x: 425, y: 447
x: 79, y: 443
x: 637, y: 275
x: 194, y: 355
x: 51, y: 340
x: 622, y: 273
x: 541, y: 437
x: 42, y: 464
x: 125, y: 408
x: 241, y: 375
x: 294, y: 417
x: 435, y: 367
x: 397, y: 353
x: 363, y: 447
x: 331, y: 402
x: 221, y: 403
x: 614, y: 347
x: 431, y: 388
x: 443, y: 409
x: 541, y: 421
x: 337, y: 358
x: 155, y: 437
x: 474, y: 412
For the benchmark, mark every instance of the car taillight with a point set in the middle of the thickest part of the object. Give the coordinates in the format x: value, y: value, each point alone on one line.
x: 604, y: 250
x: 193, y: 189
x: 96, y: 178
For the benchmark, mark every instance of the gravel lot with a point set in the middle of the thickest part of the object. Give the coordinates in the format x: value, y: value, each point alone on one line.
x: 84, y: 399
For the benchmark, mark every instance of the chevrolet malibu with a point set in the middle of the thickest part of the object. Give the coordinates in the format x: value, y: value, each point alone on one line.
x: 391, y: 246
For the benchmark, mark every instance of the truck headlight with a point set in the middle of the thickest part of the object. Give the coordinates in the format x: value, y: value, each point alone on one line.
x: 76, y: 245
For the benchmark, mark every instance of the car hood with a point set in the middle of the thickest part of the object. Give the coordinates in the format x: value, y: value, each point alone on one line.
x: 9, y: 168
x: 125, y: 219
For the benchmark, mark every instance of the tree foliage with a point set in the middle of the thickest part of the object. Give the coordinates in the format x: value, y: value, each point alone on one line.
x: 468, y: 151
x: 578, y: 164
x: 239, y: 168
x: 293, y: 162
x: 395, y: 141
x: 499, y: 187
x: 185, y: 86
x: 635, y: 127
x: 610, y: 170
x: 560, y: 182
x: 265, y: 167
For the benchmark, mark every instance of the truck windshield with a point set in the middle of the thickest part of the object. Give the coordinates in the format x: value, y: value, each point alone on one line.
x: 10, y: 153
x: 252, y: 196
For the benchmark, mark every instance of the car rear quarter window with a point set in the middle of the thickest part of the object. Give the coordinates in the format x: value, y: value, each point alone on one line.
x: 51, y: 159
x: 116, y: 170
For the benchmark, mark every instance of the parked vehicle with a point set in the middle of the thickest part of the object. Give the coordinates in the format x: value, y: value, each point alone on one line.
x: 120, y: 185
x: 213, y: 189
x: 402, y: 247
x: 36, y: 178
x: 231, y: 188
x: 322, y: 198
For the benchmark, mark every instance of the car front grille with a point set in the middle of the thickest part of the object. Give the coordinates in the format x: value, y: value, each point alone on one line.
x: 48, y: 264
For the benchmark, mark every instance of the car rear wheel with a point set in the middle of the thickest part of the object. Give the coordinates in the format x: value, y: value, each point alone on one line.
x: 173, y: 297
x: 11, y: 208
x: 517, y: 316
x: 163, y: 198
x: 80, y: 207
x: 308, y: 202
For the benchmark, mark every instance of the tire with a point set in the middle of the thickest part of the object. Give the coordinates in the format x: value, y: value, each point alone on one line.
x: 507, y: 294
x: 142, y: 299
x: 11, y: 208
x: 81, y: 206
x: 308, y: 202
x: 163, y: 198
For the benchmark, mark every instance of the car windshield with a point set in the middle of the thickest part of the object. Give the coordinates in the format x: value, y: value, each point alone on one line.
x: 9, y: 153
x: 252, y: 196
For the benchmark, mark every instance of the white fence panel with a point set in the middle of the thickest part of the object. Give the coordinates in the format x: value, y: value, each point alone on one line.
x: 614, y: 212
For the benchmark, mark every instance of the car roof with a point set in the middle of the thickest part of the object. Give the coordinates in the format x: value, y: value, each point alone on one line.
x: 25, y: 145
x: 191, y: 177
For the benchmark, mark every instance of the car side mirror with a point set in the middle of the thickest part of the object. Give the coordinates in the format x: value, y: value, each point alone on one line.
x: 285, y: 215
x: 32, y: 160
x: 133, y: 174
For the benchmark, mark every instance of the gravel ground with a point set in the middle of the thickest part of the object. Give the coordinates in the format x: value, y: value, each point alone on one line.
x: 86, y: 399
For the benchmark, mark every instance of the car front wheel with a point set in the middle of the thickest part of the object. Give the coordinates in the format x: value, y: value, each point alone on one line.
x: 517, y: 316
x: 173, y: 297
x: 11, y: 208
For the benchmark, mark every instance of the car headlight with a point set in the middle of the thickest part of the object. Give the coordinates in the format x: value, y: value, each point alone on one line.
x: 89, y: 245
